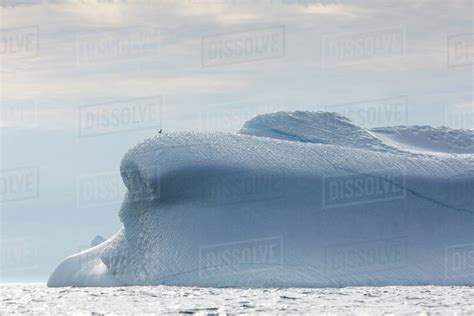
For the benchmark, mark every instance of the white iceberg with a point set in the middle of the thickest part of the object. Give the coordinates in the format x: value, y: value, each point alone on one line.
x: 301, y: 199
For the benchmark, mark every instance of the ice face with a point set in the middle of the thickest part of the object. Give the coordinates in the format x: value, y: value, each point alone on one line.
x: 239, y: 210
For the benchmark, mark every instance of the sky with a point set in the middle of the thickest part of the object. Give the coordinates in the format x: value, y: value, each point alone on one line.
x: 83, y: 81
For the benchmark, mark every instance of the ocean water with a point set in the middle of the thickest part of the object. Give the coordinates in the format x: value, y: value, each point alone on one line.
x: 37, y: 299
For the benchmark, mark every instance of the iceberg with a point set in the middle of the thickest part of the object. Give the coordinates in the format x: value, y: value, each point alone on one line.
x: 97, y: 240
x: 294, y: 199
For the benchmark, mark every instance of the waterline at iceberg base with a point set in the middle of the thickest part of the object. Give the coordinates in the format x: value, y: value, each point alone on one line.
x: 295, y: 199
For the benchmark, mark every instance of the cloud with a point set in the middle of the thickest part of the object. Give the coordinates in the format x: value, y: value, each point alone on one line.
x: 176, y: 67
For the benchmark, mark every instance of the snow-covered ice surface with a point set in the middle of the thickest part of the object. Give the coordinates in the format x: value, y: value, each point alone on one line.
x: 311, y: 127
x: 428, y: 139
x: 300, y: 199
x: 37, y: 299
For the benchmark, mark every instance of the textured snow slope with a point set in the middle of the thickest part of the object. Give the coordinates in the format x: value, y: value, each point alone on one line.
x: 334, y: 206
x: 313, y: 127
x: 428, y: 139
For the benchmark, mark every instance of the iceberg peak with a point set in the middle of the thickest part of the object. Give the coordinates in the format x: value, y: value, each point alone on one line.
x: 313, y: 127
